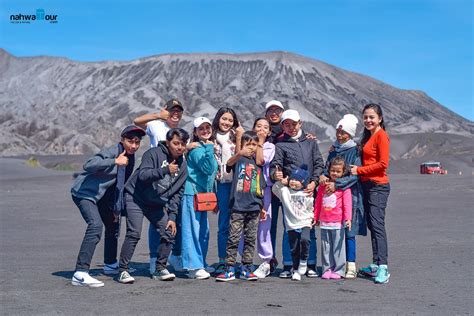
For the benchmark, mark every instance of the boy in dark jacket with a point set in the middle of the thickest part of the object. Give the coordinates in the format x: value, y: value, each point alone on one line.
x: 295, y: 149
x: 98, y: 193
x: 155, y: 191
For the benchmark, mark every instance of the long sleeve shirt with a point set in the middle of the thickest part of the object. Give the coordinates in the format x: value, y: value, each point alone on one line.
x: 334, y: 209
x: 375, y: 158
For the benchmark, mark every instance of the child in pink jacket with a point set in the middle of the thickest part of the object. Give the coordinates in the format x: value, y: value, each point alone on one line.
x: 333, y: 212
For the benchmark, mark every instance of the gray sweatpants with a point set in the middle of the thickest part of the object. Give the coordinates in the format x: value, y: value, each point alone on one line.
x: 333, y: 250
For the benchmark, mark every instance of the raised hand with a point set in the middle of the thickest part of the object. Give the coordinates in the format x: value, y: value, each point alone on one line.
x: 122, y: 160
x: 278, y: 173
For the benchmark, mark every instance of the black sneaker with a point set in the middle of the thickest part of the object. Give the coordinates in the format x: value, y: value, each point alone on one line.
x: 273, y: 264
x: 286, y: 273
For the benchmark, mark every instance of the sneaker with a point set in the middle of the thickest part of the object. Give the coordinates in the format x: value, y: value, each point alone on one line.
x: 220, y: 268
x: 382, y: 276
x: 247, y: 274
x: 82, y: 278
x: 327, y: 274
x: 370, y: 271
x: 311, y: 273
x: 286, y: 273
x: 152, y: 265
x: 163, y: 275
x: 227, y: 275
x: 176, y: 263
x: 273, y: 264
x: 296, y: 276
x: 263, y: 270
x: 351, y: 271
x: 125, y: 278
x: 303, y: 267
x: 335, y: 276
x: 210, y: 269
x: 198, y: 274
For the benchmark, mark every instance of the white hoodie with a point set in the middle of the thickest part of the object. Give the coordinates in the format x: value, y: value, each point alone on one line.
x: 298, y: 207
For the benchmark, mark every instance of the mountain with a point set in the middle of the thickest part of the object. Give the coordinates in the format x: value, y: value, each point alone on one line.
x: 53, y: 105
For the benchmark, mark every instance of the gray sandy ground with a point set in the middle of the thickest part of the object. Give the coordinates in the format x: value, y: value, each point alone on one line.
x: 429, y: 219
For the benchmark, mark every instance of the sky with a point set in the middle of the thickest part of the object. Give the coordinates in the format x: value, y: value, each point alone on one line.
x: 411, y: 44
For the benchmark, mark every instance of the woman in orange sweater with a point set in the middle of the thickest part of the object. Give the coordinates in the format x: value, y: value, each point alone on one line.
x: 375, y: 151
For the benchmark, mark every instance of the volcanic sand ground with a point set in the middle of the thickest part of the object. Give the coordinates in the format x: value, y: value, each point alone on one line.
x: 429, y: 223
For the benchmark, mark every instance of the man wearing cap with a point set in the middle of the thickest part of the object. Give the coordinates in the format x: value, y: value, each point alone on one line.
x: 157, y: 125
x: 293, y: 149
x: 273, y: 111
x: 98, y: 193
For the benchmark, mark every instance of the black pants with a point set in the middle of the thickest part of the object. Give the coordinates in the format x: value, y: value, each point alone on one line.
x: 159, y: 219
x: 96, y: 216
x: 299, y: 245
x: 375, y: 202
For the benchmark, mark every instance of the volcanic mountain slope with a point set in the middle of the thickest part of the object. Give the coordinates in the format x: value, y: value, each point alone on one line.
x: 58, y: 106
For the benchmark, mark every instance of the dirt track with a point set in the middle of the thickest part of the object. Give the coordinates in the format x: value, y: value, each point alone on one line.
x: 430, y: 220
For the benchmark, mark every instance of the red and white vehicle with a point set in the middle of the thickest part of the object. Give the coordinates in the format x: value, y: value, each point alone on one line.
x: 432, y: 167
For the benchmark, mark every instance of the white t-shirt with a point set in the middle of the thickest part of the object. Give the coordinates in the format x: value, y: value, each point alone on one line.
x: 226, y: 150
x: 156, y: 130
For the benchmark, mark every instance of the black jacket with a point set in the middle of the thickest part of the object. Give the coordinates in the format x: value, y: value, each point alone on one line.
x: 152, y: 185
x: 290, y: 153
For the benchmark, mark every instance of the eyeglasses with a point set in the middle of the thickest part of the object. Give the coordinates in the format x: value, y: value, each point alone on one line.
x: 274, y: 111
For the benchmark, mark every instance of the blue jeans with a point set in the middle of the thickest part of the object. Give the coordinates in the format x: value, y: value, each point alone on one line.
x: 223, y: 195
x: 351, y: 249
x: 195, y: 235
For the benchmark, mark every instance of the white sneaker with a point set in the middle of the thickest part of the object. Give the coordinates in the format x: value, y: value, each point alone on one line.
x: 210, y: 269
x: 82, y: 278
x: 125, y: 278
x: 263, y: 270
x: 176, y: 263
x: 199, y: 274
x: 303, y: 267
x: 296, y: 276
x: 152, y: 265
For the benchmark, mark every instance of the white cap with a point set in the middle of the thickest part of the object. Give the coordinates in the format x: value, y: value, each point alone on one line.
x: 200, y: 120
x: 348, y: 124
x: 274, y: 103
x: 290, y: 115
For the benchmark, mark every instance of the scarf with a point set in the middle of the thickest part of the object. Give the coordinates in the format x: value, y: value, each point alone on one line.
x: 338, y: 147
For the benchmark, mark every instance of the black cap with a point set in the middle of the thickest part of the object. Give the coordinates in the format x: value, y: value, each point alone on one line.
x: 172, y: 104
x: 132, y: 130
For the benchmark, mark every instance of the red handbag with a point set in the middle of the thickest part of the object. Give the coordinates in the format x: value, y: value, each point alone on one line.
x: 205, y: 202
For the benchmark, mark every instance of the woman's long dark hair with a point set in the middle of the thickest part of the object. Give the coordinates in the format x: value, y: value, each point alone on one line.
x: 366, y: 133
x: 215, y: 122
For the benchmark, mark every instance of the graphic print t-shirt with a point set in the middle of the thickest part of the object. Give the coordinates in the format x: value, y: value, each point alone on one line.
x: 247, y: 186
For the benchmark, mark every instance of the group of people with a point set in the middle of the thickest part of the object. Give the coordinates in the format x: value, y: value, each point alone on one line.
x: 275, y: 168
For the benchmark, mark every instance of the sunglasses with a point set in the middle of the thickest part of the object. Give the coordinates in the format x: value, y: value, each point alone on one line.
x: 274, y: 111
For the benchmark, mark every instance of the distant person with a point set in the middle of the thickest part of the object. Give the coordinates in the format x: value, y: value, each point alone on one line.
x: 202, y: 170
x: 333, y: 212
x: 295, y: 149
x: 98, y: 193
x: 346, y: 147
x: 156, y: 126
x: 227, y: 131
x: 298, y: 214
x: 246, y: 207
x: 155, y: 191
x: 375, y: 147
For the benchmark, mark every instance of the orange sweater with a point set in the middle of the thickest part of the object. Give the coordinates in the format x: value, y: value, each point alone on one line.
x: 375, y: 157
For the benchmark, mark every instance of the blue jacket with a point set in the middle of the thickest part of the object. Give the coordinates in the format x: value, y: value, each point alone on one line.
x: 202, y: 170
x: 351, y: 157
x: 100, y: 173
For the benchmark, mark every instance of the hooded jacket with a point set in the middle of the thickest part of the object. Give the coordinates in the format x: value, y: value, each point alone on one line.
x: 152, y: 185
x: 290, y: 154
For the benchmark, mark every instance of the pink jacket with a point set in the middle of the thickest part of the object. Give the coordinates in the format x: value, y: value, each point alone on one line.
x: 334, y: 208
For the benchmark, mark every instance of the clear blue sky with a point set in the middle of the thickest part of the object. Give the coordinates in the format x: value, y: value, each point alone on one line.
x: 410, y: 44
